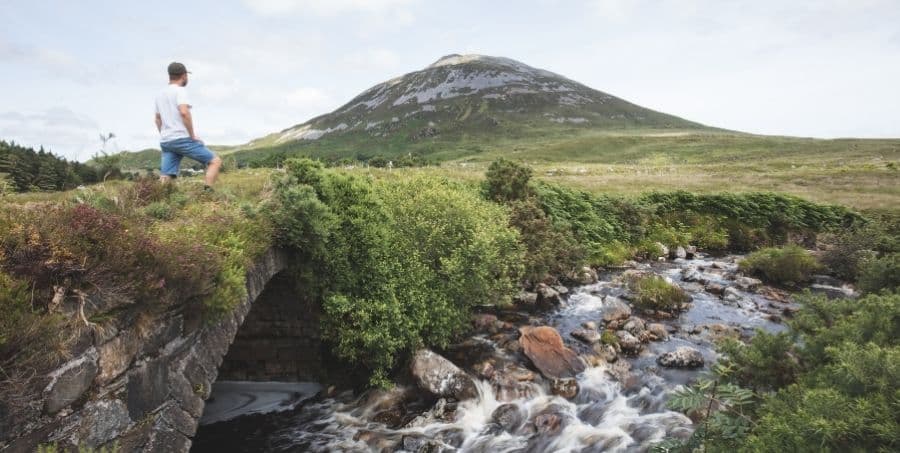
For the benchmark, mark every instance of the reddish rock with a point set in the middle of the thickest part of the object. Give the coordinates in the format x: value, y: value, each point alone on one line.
x: 550, y: 356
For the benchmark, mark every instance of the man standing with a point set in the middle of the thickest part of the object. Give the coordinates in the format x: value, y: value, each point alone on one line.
x: 176, y: 129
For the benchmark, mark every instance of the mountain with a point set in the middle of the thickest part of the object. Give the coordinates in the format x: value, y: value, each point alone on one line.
x: 461, y: 98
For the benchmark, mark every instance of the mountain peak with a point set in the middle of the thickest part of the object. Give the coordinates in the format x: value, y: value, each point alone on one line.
x: 473, y: 94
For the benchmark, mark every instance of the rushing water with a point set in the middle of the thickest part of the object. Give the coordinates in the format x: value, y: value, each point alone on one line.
x: 607, y: 414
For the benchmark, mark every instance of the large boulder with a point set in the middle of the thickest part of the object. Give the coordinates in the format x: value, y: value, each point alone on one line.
x: 545, y: 348
x: 615, y: 310
x: 508, y: 417
x: 629, y: 343
x: 441, y: 377
x: 589, y: 336
x: 683, y: 357
x: 547, y: 296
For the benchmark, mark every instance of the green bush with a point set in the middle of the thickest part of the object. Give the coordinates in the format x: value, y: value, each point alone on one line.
x: 550, y: 250
x: 655, y: 293
x: 506, y: 180
x: 767, y: 363
x: 880, y: 274
x: 789, y: 265
x: 398, y: 263
x: 159, y: 210
x: 835, y: 389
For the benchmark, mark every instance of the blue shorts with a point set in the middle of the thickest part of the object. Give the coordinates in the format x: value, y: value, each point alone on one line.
x: 174, y: 150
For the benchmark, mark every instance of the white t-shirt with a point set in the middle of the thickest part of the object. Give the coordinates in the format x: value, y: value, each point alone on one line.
x: 167, y: 103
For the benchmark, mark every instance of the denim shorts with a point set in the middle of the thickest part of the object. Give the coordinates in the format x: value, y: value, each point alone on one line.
x: 174, y: 150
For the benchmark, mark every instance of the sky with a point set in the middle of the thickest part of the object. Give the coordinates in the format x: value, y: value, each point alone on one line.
x: 71, y: 70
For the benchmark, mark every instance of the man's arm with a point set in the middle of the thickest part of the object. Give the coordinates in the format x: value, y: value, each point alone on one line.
x: 185, y: 111
x: 158, y: 120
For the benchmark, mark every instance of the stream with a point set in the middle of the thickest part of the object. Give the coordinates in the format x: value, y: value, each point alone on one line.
x: 619, y: 403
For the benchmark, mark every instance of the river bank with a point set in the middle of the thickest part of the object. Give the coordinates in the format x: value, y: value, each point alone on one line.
x: 618, y: 401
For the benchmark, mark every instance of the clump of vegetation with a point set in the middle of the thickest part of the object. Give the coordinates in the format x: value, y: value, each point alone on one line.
x: 835, y: 387
x: 880, y: 274
x: 609, y: 337
x: 652, y: 292
x: 398, y: 264
x: 506, y: 180
x: 788, y: 265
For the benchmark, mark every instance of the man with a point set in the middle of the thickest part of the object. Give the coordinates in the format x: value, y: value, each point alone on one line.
x: 176, y: 130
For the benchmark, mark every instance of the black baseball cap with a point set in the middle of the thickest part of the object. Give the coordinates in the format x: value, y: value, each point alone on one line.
x: 177, y: 69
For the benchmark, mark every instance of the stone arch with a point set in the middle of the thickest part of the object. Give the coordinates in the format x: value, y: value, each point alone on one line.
x: 144, y: 389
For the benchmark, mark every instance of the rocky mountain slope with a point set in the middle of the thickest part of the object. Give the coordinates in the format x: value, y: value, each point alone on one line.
x: 464, y: 95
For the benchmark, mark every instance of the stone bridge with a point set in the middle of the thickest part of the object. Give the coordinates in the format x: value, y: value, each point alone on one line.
x: 142, y: 387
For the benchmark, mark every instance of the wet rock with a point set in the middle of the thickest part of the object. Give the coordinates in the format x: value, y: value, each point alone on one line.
x: 526, y: 298
x: 678, y: 253
x: 421, y: 444
x: 70, y: 381
x: 683, y: 357
x: 547, y: 296
x: 585, y: 276
x: 591, y: 325
x: 435, y: 414
x: 657, y: 331
x: 607, y: 352
x: 391, y: 418
x: 629, y: 343
x: 748, y: 283
x: 509, y: 417
x: 544, y: 347
x: 483, y: 321
x: 732, y: 295
x: 832, y: 292
x: 566, y: 388
x: 441, y: 377
x: 484, y: 370
x: 615, y: 310
x: 549, y: 421
x: 587, y: 335
x: 508, y: 388
x: 690, y: 252
x: 560, y: 289
x: 715, y: 288
x: 635, y: 326
x: 692, y: 274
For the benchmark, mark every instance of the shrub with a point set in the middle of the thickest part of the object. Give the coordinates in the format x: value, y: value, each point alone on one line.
x: 550, y: 249
x: 398, y: 263
x: 655, y: 293
x: 789, y: 265
x: 848, y: 251
x: 159, y: 210
x: 880, y: 274
x: 506, y: 180
x: 767, y: 363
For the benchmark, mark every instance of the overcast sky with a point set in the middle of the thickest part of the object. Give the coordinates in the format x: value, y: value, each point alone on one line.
x: 70, y: 70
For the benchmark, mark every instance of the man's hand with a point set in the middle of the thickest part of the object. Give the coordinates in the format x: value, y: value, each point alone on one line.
x: 197, y: 140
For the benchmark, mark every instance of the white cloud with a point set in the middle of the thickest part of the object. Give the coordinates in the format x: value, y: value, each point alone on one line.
x: 66, y: 133
x: 323, y: 7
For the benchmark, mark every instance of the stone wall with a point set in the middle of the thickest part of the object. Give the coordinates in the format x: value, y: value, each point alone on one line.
x: 141, y: 384
x: 278, y: 341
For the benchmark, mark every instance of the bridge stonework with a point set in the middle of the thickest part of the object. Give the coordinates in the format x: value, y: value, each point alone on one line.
x: 142, y: 386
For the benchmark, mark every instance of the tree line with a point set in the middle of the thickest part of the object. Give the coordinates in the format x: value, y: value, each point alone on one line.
x: 24, y: 169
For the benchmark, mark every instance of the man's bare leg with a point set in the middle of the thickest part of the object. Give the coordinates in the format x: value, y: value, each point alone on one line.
x: 212, y: 170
